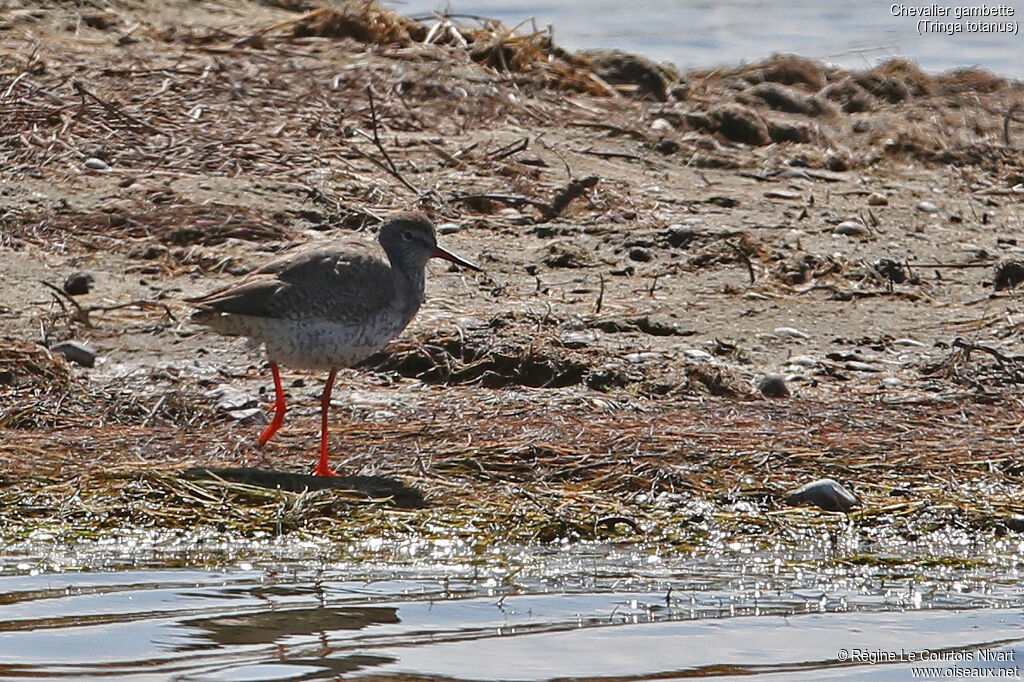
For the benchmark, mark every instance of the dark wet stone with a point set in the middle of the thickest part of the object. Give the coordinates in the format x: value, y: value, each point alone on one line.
x: 679, y: 235
x: 75, y: 352
x: 773, y: 386
x: 825, y: 493
x: 78, y: 283
x: 639, y: 254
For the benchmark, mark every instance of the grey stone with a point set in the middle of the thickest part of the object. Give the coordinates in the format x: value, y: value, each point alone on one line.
x: 825, y: 493
x: 75, y: 352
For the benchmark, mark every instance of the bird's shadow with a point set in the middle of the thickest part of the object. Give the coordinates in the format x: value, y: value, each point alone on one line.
x: 372, y: 487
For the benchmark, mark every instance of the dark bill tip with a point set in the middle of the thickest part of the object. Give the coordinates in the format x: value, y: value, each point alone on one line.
x: 449, y: 256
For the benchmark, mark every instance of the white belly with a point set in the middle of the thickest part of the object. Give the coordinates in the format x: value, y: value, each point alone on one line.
x: 316, y: 344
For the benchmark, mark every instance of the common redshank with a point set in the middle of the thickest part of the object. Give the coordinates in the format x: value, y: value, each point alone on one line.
x: 328, y: 307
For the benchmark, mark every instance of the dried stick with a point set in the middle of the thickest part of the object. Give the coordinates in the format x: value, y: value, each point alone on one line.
x: 389, y: 165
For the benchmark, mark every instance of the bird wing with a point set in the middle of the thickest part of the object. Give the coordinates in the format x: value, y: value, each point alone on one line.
x: 339, y: 282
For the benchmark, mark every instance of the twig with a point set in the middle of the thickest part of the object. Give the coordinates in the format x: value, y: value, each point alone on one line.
x: 1002, y: 359
x: 745, y: 258
x: 600, y: 297
x: 391, y: 168
x: 609, y: 154
x: 511, y: 149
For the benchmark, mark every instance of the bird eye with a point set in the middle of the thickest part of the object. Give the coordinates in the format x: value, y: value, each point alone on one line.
x: 407, y: 235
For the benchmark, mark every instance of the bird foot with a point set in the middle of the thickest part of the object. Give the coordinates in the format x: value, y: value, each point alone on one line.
x: 323, y: 471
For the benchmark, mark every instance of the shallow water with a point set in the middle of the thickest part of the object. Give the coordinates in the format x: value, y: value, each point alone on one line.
x: 702, y: 34
x: 581, y: 611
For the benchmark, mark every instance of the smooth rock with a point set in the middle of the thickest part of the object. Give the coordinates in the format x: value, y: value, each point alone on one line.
x: 825, y: 493
x: 783, y: 194
x: 639, y: 254
x: 679, y: 235
x: 773, y: 386
x: 578, y: 339
x: 877, y: 199
x: 928, y: 207
x: 96, y: 164
x: 78, y: 283
x: 790, y: 333
x: 850, y: 228
x: 75, y: 352
x: 857, y: 366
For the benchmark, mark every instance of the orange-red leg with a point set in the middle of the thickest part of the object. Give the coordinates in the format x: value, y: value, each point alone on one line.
x: 325, y: 403
x: 278, y: 409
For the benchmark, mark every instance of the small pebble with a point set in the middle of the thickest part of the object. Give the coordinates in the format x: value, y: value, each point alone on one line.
x: 578, y: 339
x: 802, y: 361
x: 891, y: 382
x: 661, y: 125
x: 93, y: 163
x: 857, y: 366
x: 783, y: 194
x: 75, y: 352
x: 850, y: 228
x: 876, y: 199
x: 640, y: 254
x: 78, y: 283
x: 825, y: 493
x: 927, y: 207
x: 697, y: 354
x: 791, y: 333
x: 642, y: 357
x: 773, y: 386
x: 907, y: 342
x: 448, y: 228
x: 679, y: 235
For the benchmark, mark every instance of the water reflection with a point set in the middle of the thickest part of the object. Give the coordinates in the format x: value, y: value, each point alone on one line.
x: 267, y: 627
x: 595, y: 611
